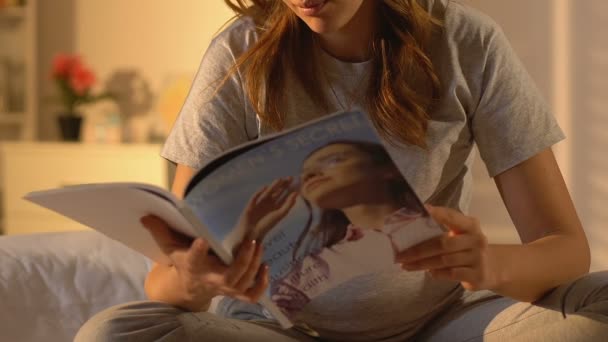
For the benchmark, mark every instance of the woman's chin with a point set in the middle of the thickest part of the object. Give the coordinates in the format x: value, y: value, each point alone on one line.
x: 320, y: 26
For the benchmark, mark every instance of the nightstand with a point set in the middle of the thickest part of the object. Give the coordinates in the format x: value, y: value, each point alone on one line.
x: 26, y: 167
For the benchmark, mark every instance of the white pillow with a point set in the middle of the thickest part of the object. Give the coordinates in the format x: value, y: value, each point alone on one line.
x: 50, y: 284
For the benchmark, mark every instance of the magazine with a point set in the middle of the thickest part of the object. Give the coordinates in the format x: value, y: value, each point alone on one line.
x: 307, y: 194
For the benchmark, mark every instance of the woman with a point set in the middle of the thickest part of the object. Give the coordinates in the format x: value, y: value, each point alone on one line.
x: 367, y: 214
x: 436, y: 77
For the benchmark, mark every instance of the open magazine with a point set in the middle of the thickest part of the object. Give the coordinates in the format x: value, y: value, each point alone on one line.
x: 299, y: 192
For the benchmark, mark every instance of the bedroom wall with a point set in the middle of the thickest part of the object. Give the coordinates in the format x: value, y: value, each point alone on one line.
x: 589, y: 122
x: 562, y: 44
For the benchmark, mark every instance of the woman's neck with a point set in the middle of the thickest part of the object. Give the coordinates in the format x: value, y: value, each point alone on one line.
x: 352, y: 42
x: 369, y: 216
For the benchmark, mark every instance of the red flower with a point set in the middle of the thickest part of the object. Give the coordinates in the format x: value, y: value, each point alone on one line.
x: 74, y: 80
x: 81, y: 79
x: 63, y: 65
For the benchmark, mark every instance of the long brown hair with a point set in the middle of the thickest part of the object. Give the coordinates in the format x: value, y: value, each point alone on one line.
x: 403, y: 83
x: 332, y: 224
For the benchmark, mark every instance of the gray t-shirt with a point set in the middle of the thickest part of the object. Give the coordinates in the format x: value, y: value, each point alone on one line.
x: 487, y: 98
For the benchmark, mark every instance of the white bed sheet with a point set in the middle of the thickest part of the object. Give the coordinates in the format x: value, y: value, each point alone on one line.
x: 50, y: 284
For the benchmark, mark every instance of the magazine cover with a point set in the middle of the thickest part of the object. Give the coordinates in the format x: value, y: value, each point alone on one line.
x: 325, y: 200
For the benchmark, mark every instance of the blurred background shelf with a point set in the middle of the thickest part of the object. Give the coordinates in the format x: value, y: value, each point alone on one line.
x: 8, y: 118
x: 12, y: 14
x: 18, y: 12
x: 18, y: 71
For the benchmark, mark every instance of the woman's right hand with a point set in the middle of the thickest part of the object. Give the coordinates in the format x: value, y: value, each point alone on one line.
x: 195, y: 276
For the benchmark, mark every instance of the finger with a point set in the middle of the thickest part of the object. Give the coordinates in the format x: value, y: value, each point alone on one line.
x: 460, y: 259
x: 231, y: 292
x: 196, y: 256
x: 445, y: 243
x: 288, y: 187
x: 167, y: 239
x: 453, y: 219
x: 265, y: 193
x: 261, y: 283
x: 241, y: 263
x: 234, y: 293
x: 280, y: 187
x: 284, y: 209
x: 461, y: 274
x: 248, y: 278
x: 290, y: 201
x: 256, y: 197
x: 273, y: 186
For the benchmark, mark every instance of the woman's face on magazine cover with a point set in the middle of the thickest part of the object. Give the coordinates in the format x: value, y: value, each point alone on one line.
x: 326, y: 16
x: 340, y: 175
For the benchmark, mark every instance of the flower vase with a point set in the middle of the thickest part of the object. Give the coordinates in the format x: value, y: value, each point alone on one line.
x: 70, y: 126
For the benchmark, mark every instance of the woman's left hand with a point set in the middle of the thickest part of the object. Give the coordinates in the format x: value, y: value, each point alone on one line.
x: 460, y: 254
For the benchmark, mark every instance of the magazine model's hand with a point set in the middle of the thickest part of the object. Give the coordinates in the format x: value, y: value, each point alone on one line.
x: 459, y: 255
x: 196, y: 276
x: 267, y: 207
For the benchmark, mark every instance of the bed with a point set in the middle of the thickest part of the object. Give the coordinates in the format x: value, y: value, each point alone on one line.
x: 51, y: 283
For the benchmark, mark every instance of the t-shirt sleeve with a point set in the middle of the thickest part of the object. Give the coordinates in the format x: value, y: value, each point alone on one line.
x: 512, y: 122
x: 213, y: 118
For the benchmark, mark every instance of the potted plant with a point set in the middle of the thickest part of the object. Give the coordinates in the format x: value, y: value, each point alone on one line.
x: 75, y: 82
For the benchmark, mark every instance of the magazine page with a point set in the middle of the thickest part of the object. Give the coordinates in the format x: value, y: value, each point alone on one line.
x: 115, y: 209
x: 326, y: 201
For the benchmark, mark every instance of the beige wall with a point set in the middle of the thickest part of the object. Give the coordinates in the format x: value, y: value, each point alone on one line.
x: 563, y: 45
x: 152, y: 39
x: 589, y: 121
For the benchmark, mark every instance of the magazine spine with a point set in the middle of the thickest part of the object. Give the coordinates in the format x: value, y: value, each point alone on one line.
x: 224, y: 254
x: 276, y: 312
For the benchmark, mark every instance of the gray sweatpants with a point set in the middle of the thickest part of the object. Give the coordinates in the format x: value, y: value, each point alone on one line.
x: 577, y: 311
